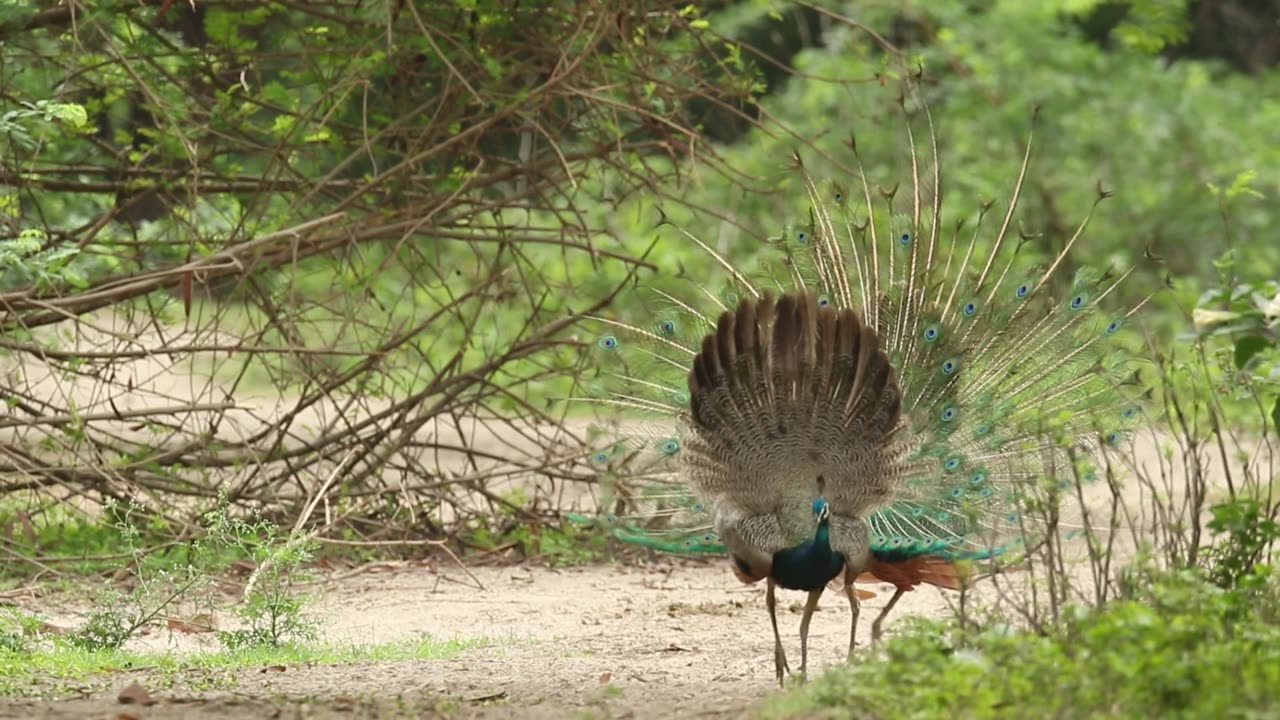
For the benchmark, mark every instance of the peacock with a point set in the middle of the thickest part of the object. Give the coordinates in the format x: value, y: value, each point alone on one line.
x: 882, y: 398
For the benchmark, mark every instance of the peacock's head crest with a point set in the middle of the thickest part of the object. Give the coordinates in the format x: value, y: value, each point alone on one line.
x: 821, y: 511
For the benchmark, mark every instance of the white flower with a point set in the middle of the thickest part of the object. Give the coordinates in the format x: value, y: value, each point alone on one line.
x: 1272, y: 311
x: 1208, y: 319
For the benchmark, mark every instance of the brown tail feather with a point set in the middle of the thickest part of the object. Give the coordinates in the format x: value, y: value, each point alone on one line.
x: 908, y: 574
x: 787, y: 391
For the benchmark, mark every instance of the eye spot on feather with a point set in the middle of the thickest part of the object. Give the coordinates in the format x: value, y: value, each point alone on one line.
x: 917, y: 512
x: 1129, y: 413
x: 948, y: 415
x: 839, y: 196
x: 1022, y: 291
x: 802, y: 237
x: 952, y: 464
x: 1078, y: 302
x: 982, y: 430
x: 600, y: 457
x: 667, y: 327
x: 957, y: 493
x: 1011, y: 518
x: 610, y: 519
x: 1112, y: 327
x: 680, y: 396
x: 949, y: 367
x: 931, y: 333
x: 608, y: 342
x: 904, y: 239
x: 978, y: 477
x: 698, y: 507
x: 970, y: 309
x: 1113, y: 438
x: 824, y: 301
x: 671, y: 447
x: 986, y: 492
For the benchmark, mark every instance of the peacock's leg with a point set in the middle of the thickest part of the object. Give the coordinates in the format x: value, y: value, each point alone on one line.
x: 854, y: 607
x: 875, y: 626
x: 779, y: 656
x: 810, y: 605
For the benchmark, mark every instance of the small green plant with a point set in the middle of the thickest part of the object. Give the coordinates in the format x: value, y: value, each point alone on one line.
x: 271, y: 610
x: 16, y: 629
x: 272, y: 607
x: 110, y: 626
x: 118, y: 615
x: 1245, y: 531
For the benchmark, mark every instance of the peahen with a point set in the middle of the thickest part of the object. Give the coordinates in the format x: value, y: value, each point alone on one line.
x: 889, y: 398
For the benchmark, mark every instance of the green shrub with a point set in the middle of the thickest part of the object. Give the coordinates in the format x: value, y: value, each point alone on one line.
x: 1185, y: 647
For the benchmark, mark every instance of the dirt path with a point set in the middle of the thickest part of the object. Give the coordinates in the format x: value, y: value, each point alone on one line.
x: 682, y: 641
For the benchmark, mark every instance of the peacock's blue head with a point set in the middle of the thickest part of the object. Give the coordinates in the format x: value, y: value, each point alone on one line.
x: 821, y: 510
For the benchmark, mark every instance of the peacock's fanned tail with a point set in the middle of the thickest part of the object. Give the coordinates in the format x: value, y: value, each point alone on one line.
x: 1011, y: 378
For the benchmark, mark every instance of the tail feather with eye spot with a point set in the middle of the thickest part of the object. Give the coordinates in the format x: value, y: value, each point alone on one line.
x: 1007, y: 380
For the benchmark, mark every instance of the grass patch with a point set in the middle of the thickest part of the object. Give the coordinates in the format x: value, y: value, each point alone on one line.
x: 1180, y: 647
x: 64, y: 666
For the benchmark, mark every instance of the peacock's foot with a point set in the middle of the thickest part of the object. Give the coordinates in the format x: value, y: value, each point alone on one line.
x: 780, y: 663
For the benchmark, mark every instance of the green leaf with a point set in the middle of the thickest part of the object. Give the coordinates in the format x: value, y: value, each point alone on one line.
x: 1275, y: 416
x: 72, y: 114
x: 1247, y: 347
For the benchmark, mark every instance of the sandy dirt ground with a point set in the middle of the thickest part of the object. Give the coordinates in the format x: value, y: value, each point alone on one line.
x: 684, y: 640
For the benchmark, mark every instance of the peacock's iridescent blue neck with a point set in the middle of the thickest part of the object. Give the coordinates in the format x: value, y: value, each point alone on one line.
x: 811, y: 564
